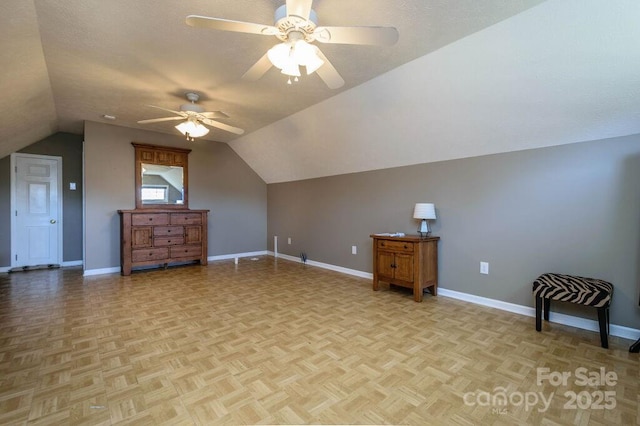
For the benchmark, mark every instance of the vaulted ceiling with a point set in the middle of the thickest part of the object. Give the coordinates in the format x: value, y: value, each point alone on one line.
x: 66, y: 61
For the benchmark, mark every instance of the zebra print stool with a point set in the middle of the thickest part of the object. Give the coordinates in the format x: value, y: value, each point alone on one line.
x: 580, y: 290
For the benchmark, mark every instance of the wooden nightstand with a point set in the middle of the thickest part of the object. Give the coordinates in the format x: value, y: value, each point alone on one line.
x: 409, y: 261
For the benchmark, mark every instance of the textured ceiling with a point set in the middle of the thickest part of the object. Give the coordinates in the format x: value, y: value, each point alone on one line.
x: 67, y: 61
x: 564, y: 71
x: 467, y: 77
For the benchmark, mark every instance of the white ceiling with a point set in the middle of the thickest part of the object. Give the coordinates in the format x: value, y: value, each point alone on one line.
x: 66, y: 61
x: 467, y: 77
x: 562, y: 72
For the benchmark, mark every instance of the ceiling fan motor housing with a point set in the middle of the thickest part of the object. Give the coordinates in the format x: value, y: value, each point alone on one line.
x: 193, y: 97
x: 287, y: 24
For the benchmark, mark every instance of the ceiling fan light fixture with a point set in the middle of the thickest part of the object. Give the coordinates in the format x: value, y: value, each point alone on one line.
x: 280, y: 55
x: 192, y: 129
x: 306, y: 54
x: 314, y: 63
x: 291, y: 69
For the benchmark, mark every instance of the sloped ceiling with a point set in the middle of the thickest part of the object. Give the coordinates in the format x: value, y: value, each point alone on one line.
x: 467, y: 77
x: 565, y: 71
x: 66, y: 61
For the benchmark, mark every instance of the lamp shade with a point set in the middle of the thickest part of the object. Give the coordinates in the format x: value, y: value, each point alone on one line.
x: 424, y: 211
x: 280, y: 55
x: 289, y: 56
x: 194, y: 129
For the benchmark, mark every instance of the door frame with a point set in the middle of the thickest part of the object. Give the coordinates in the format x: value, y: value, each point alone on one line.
x: 14, y: 230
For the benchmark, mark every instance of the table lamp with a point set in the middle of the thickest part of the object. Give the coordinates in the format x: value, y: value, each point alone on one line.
x: 425, y: 212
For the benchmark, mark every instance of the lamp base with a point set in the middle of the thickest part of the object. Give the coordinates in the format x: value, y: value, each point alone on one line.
x: 424, y: 230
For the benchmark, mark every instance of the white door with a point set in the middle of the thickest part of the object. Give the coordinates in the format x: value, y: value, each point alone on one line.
x: 36, y: 210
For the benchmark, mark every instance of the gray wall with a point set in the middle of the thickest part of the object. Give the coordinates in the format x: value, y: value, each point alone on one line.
x: 218, y: 180
x: 569, y: 209
x: 5, y: 212
x: 69, y: 147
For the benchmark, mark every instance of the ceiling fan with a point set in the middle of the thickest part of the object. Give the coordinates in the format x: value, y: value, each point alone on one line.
x: 194, y: 116
x: 296, y: 26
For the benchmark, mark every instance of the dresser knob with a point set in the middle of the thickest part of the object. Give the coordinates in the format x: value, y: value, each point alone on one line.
x: 405, y: 246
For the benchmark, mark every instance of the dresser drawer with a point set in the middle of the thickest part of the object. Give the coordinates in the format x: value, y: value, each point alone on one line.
x: 186, y: 218
x: 168, y: 241
x: 185, y: 251
x: 165, y: 231
x: 149, y: 219
x: 399, y: 246
x: 149, y: 254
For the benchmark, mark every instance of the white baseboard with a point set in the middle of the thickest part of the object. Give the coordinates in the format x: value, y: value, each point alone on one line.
x: 63, y: 265
x: 326, y: 266
x: 101, y: 271
x: 570, y: 320
x: 237, y: 255
x: 583, y: 323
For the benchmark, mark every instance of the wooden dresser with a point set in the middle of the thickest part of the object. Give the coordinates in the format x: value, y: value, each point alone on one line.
x: 409, y: 261
x: 159, y: 237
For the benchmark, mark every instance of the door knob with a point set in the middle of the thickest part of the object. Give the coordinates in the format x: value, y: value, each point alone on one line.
x: 52, y: 221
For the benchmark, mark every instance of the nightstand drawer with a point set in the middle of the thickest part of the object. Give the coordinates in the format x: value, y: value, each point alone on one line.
x: 395, y: 246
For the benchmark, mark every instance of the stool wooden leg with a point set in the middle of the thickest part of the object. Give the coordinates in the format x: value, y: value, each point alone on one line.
x: 547, y: 306
x: 538, y: 313
x: 602, y: 321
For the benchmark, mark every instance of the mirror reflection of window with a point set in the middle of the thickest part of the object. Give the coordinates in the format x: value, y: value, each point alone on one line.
x: 155, y: 194
x: 162, y: 184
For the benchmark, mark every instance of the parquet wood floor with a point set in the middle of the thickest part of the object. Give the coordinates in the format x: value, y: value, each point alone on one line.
x: 271, y: 341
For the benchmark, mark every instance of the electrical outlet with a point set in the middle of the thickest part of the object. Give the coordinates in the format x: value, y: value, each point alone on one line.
x: 484, y: 268
x: 354, y: 250
x: 289, y: 240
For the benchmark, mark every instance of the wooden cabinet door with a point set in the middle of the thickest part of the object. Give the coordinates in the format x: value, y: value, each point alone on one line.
x: 192, y: 234
x: 404, y: 267
x: 141, y: 236
x: 385, y: 264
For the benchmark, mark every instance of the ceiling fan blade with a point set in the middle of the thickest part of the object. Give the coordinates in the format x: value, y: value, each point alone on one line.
x: 258, y: 69
x: 180, y: 113
x: 223, y: 126
x: 299, y: 8
x: 158, y: 120
x: 229, y: 25
x: 378, y: 36
x: 214, y: 114
x: 329, y: 74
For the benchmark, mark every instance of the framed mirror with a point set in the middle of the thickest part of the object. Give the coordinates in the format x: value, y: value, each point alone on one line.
x: 161, y: 177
